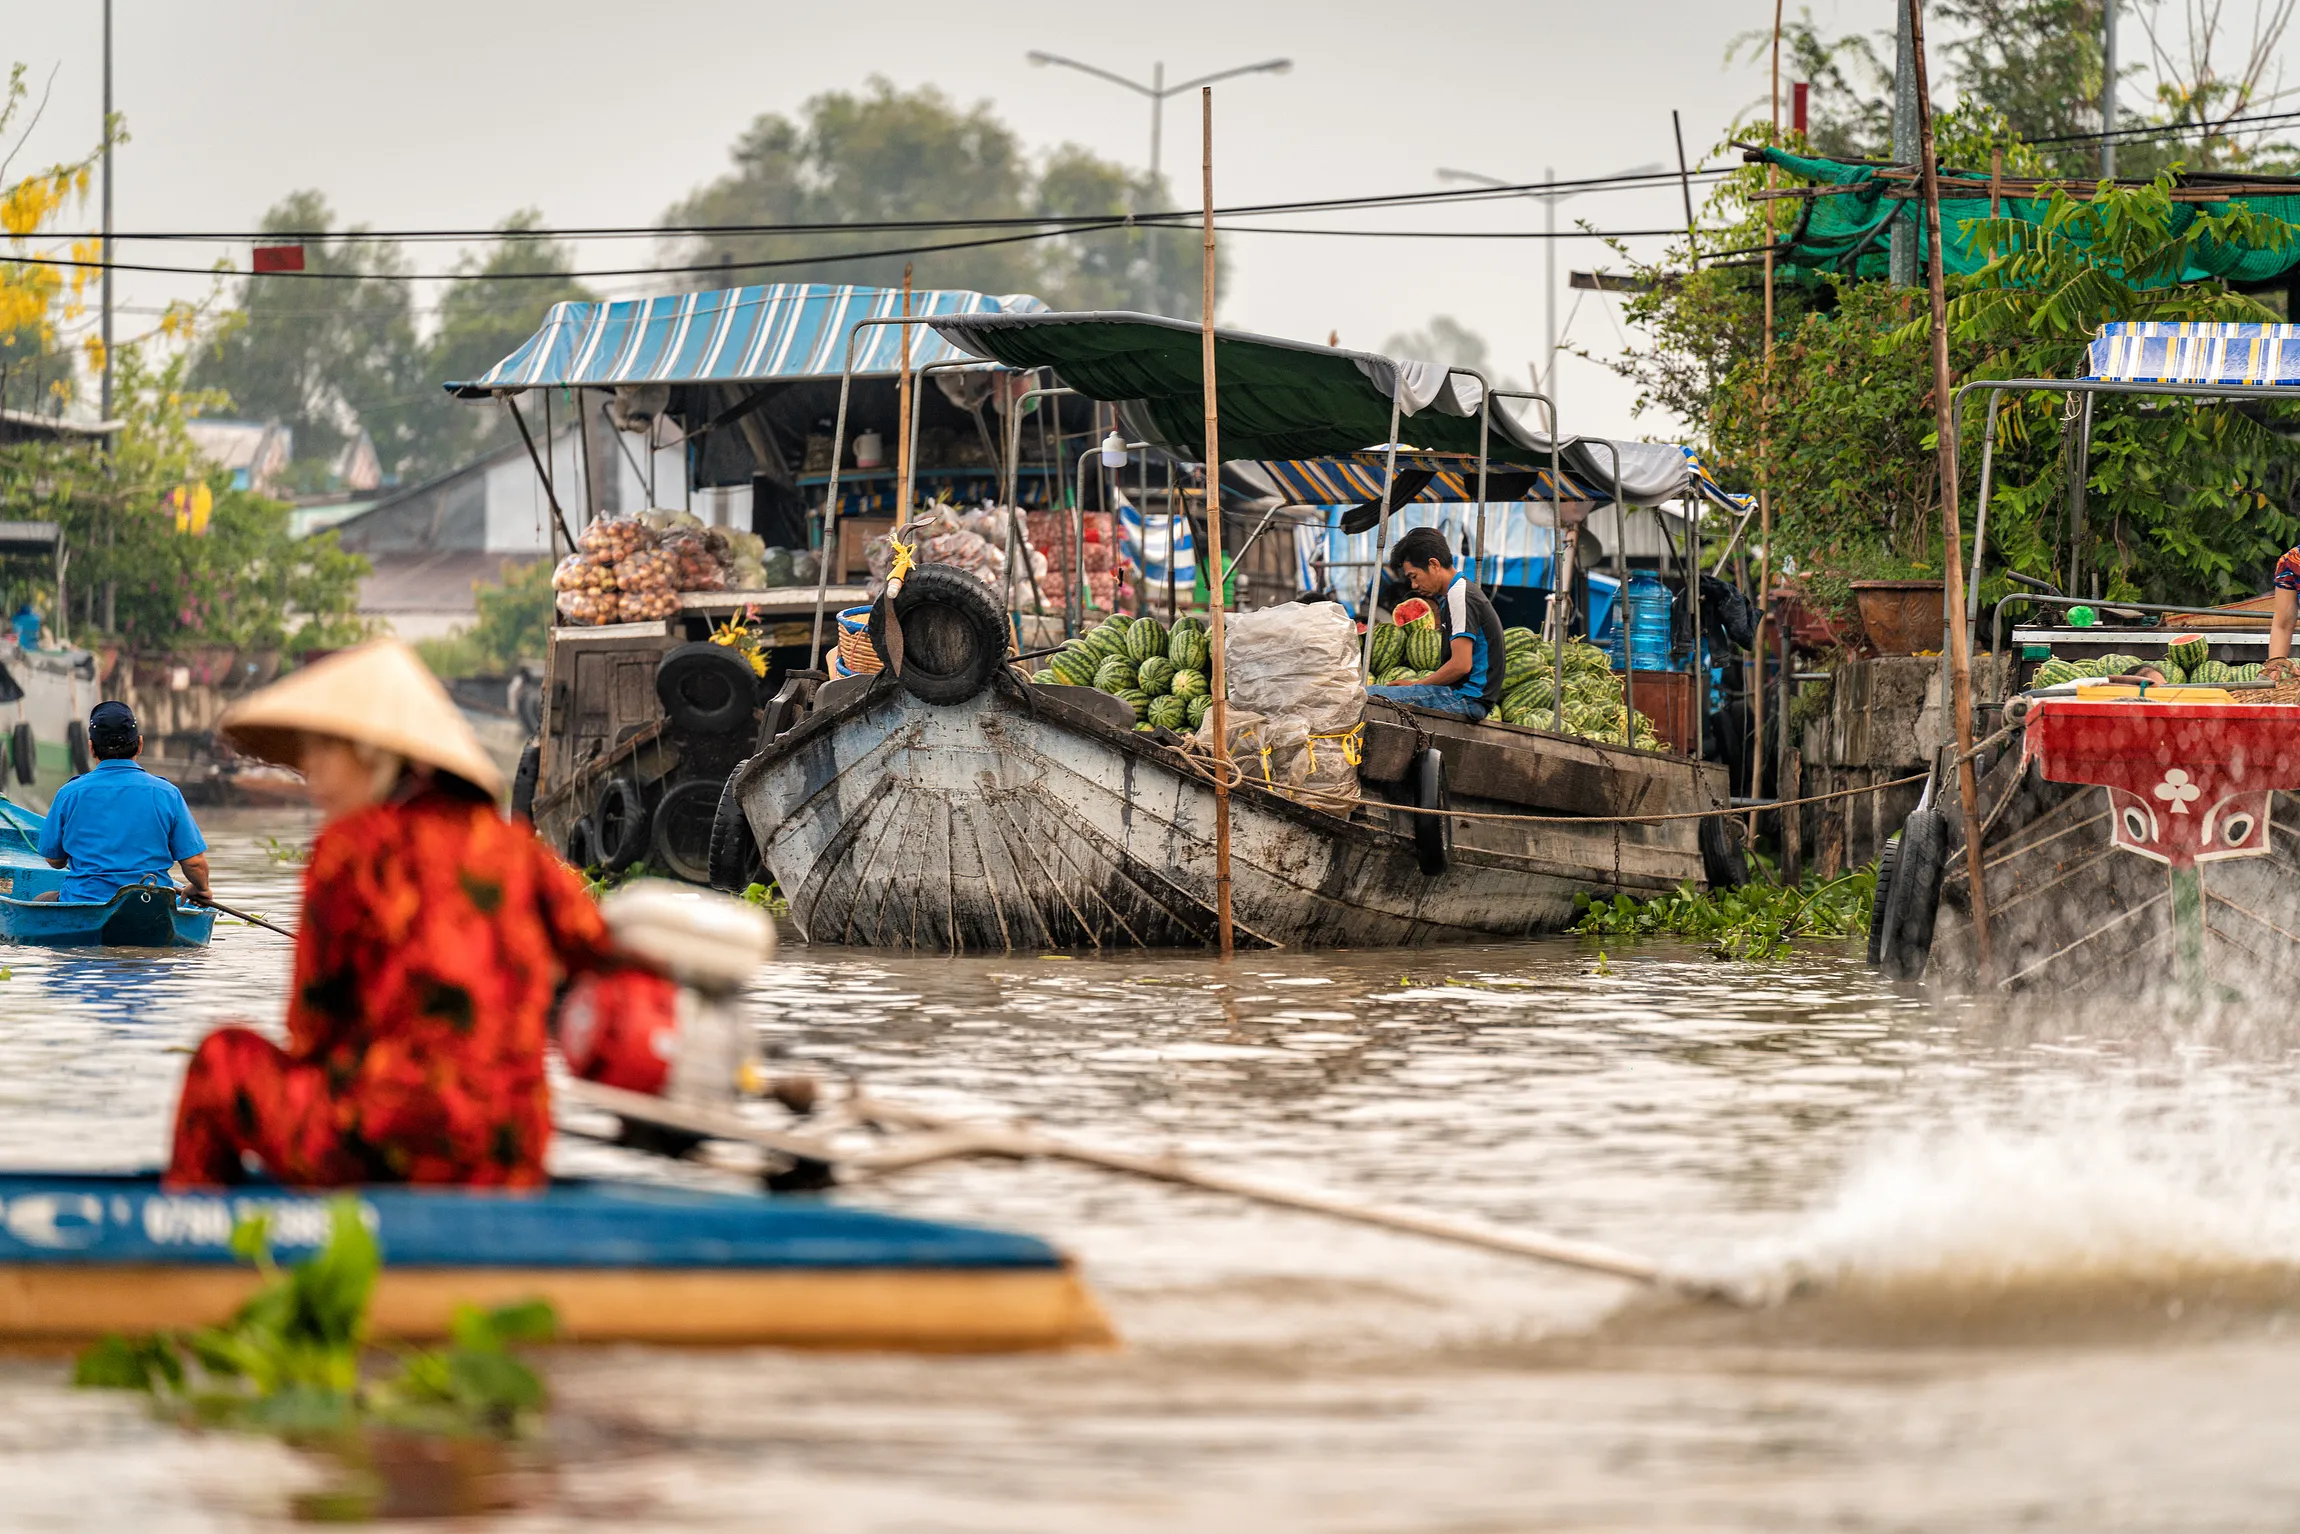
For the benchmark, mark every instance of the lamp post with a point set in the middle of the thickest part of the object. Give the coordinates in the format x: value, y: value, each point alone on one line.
x: 1547, y: 383
x: 1158, y: 90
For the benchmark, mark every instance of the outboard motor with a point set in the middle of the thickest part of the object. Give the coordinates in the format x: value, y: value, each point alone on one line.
x: 670, y: 1031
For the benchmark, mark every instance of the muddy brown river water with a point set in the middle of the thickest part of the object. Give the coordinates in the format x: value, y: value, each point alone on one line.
x: 2011, y: 1267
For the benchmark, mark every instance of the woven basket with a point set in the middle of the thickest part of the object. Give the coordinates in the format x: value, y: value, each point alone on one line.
x: 855, y: 647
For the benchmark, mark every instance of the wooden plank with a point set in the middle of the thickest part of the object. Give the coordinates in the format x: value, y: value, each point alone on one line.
x: 928, y: 1310
x: 1539, y: 771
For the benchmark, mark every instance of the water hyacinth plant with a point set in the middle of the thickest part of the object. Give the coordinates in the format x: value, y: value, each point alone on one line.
x: 1752, y: 922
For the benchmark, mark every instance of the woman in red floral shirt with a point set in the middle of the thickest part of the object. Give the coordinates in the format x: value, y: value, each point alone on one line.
x: 434, y: 936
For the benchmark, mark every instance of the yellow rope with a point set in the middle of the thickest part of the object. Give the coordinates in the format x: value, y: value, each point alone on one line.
x: 903, y: 562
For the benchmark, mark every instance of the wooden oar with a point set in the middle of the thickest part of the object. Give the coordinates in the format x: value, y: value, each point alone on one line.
x: 249, y: 917
x: 935, y: 1138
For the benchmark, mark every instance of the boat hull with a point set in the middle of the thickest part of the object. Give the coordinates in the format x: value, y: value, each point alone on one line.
x: 140, y: 916
x: 2072, y: 912
x: 81, y: 1256
x: 1016, y: 820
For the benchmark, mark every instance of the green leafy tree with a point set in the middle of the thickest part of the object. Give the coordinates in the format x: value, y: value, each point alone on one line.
x: 512, y: 286
x: 244, y: 581
x: 325, y: 356
x: 888, y: 154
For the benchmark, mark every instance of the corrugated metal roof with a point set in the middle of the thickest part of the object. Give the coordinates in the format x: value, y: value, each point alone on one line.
x: 734, y: 335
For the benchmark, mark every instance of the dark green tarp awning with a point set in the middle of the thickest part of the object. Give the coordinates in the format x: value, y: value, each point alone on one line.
x: 1845, y: 229
x: 1292, y: 399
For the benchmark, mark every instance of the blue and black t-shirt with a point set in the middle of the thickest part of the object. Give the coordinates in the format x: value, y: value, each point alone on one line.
x: 1469, y: 615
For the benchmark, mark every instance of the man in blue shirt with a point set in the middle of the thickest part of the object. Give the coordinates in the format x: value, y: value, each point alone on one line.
x: 1469, y: 682
x: 119, y: 825
x: 27, y: 626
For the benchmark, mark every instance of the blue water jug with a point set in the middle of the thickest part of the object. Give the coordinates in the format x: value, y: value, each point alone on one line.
x: 1650, y: 606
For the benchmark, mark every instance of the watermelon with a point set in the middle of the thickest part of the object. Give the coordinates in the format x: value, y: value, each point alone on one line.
x: 2248, y: 672
x: 1155, y: 675
x: 1411, y: 610
x: 1145, y: 639
x: 1197, y: 709
x: 2210, y: 674
x: 2187, y: 651
x: 1118, y: 621
x: 1047, y: 678
x: 1107, y: 639
x: 2053, y: 672
x: 1186, y: 626
x: 1115, y: 674
x: 1188, y: 684
x: 1389, y: 647
x: 1140, y: 701
x: 1075, y: 664
x: 1169, y: 713
x: 1425, y: 648
x: 1188, y: 649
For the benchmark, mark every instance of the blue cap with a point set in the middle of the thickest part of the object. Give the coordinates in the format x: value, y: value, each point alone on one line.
x: 114, y: 720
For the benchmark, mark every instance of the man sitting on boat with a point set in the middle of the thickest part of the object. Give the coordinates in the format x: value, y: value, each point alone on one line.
x: 1469, y: 683
x: 120, y: 825
x: 434, y: 934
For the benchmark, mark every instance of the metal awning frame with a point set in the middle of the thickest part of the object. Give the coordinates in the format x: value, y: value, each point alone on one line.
x: 2085, y: 389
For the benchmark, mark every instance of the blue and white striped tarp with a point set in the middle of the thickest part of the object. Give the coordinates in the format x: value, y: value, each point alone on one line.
x: 1145, y: 546
x: 733, y: 335
x: 1517, y: 547
x: 2160, y: 351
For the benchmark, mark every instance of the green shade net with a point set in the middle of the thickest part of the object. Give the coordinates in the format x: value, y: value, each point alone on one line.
x: 1849, y: 233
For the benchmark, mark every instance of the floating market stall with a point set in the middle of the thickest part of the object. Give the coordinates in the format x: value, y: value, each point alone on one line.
x: 677, y: 640
x: 950, y: 804
x: 2139, y: 819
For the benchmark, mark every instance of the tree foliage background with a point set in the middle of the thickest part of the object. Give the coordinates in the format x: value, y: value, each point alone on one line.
x: 2189, y: 501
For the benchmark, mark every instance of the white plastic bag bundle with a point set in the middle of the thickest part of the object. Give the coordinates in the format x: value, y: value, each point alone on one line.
x: 1296, y: 666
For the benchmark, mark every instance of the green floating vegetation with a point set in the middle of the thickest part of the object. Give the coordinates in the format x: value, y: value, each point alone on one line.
x: 768, y: 897
x: 1755, y: 922
x: 289, y: 1360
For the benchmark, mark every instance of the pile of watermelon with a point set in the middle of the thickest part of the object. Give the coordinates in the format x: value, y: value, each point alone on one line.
x: 1408, y: 647
x: 2188, y: 659
x: 1161, y: 672
x: 1593, y: 705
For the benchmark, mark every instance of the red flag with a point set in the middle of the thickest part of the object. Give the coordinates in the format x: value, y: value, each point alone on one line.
x: 279, y: 258
x: 1798, y: 94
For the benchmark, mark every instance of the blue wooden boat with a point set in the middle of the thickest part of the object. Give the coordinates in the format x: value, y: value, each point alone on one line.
x: 86, y: 1254
x: 140, y: 916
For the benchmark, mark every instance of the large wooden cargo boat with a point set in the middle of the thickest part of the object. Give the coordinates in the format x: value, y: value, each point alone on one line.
x: 1031, y: 816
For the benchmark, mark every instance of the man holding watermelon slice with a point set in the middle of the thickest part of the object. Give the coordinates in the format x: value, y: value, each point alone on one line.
x: 1466, y: 681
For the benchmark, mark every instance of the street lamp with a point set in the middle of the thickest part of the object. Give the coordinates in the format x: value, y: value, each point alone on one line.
x: 1158, y: 90
x: 1549, y: 201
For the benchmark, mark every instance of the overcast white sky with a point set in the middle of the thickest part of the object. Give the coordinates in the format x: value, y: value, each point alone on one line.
x: 430, y: 113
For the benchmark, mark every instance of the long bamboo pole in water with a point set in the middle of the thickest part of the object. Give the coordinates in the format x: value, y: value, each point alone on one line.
x: 1952, y: 534
x: 1214, y: 583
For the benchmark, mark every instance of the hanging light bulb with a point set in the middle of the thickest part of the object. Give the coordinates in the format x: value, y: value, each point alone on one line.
x: 1114, y: 451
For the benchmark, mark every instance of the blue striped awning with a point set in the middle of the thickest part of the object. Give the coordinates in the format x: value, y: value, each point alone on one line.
x: 733, y: 335
x: 1355, y: 478
x: 2159, y: 351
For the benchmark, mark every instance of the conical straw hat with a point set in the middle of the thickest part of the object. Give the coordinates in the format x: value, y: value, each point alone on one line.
x: 379, y: 694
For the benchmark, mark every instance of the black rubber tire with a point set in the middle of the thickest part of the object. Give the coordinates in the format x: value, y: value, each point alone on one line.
x: 706, y: 688
x: 734, y: 861
x: 24, y: 753
x: 1433, y: 834
x: 527, y: 701
x: 581, y: 849
x: 620, y: 823
x: 76, y: 748
x: 680, y: 840
x: 953, y: 634
x: 523, y: 781
x: 1722, y: 861
x: 1890, y: 856
x: 1916, y: 895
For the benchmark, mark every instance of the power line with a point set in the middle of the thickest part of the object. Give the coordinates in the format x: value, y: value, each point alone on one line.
x: 1058, y: 223
x: 1114, y: 225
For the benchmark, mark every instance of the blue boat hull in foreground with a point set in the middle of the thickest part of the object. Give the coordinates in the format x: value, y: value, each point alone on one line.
x: 82, y: 1255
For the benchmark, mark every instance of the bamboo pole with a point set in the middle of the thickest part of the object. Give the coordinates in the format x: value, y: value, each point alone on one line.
x: 1764, y: 472
x: 1219, y: 684
x: 1952, y: 535
x: 902, y: 412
